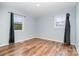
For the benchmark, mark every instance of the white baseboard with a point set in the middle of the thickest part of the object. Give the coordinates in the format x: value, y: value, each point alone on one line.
x: 3, y: 45
x: 41, y: 37
x: 24, y: 39
x: 32, y: 38
x: 51, y: 39
x: 18, y: 41
x: 77, y: 48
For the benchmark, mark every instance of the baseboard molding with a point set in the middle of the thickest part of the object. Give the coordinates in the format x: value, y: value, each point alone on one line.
x: 51, y: 39
x: 77, y: 49
x: 3, y: 45
x: 45, y: 38
x: 24, y: 39
x: 18, y: 41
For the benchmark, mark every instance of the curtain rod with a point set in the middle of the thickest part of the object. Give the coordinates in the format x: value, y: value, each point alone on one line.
x: 17, y: 14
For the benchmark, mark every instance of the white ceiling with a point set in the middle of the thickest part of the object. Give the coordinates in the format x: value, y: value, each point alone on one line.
x: 44, y: 8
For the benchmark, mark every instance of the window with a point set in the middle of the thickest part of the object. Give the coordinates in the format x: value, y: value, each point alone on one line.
x: 18, y: 22
x: 59, y: 21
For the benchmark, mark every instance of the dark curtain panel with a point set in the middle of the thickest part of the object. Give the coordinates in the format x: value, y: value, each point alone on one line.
x: 67, y: 30
x: 11, y: 34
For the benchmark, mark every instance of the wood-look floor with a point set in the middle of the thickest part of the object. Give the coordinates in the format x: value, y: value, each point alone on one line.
x: 38, y: 47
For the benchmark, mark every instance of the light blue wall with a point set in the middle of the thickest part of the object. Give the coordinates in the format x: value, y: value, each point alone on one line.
x: 47, y: 30
x: 26, y: 33
x: 77, y: 27
x: 42, y: 27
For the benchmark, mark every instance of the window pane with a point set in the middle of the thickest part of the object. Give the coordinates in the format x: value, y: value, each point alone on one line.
x: 18, y: 22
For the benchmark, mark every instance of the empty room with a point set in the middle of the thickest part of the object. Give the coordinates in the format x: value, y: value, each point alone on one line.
x: 39, y: 28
